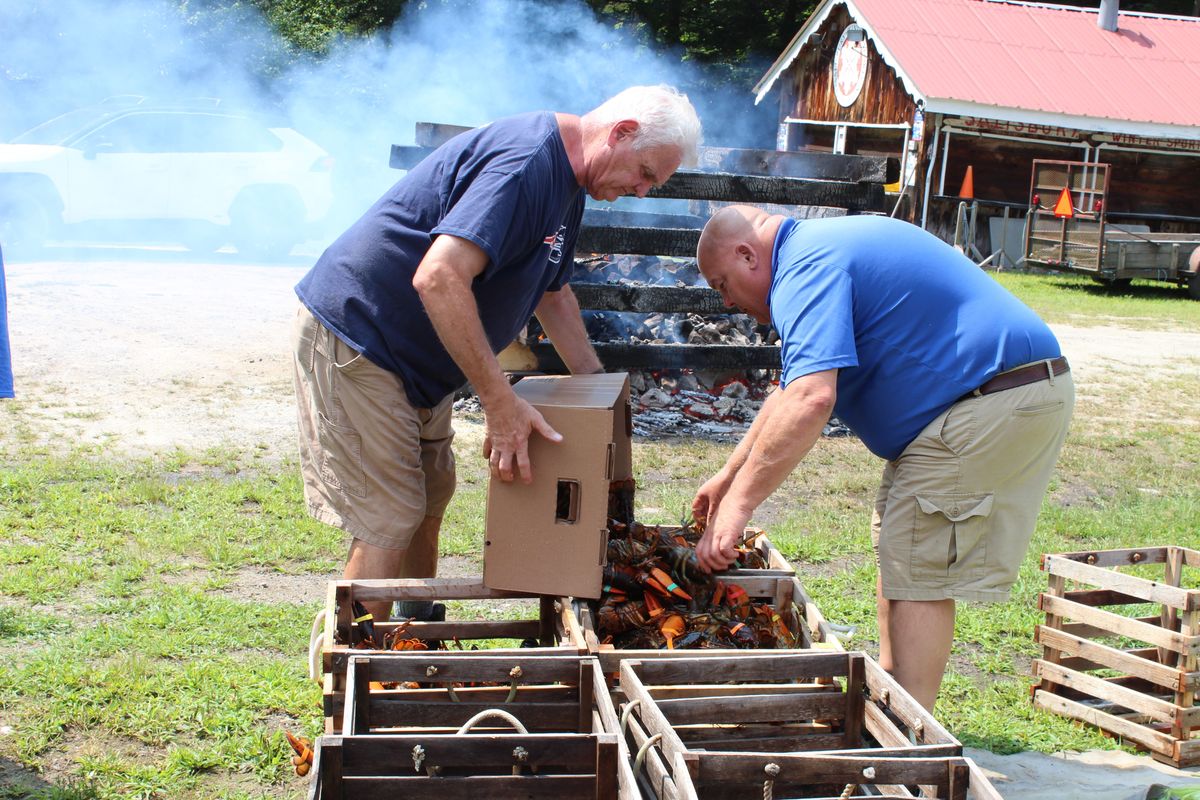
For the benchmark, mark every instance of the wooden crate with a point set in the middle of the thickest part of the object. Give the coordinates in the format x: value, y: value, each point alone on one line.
x: 810, y: 723
x: 431, y: 742
x: 1132, y: 674
x: 784, y: 592
x: 556, y: 627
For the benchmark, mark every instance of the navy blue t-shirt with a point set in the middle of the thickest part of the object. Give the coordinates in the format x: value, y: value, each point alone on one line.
x: 507, y: 187
x: 910, y: 323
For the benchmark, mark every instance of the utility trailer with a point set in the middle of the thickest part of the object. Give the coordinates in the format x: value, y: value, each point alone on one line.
x: 1067, y: 229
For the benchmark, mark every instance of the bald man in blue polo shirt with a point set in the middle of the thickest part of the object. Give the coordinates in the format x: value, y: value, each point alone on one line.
x: 943, y: 373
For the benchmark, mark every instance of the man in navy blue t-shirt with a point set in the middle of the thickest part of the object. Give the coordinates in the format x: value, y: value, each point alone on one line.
x: 418, y: 296
x: 940, y: 371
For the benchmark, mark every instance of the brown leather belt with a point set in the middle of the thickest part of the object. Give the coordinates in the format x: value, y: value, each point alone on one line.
x: 1030, y: 373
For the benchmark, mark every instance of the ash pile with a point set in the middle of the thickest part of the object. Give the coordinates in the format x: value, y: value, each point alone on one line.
x: 712, y: 404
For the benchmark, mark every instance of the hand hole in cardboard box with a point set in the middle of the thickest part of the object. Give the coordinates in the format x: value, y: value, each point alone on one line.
x: 566, y: 506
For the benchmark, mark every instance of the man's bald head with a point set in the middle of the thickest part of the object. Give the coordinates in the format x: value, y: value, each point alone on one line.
x: 729, y: 227
x: 734, y: 256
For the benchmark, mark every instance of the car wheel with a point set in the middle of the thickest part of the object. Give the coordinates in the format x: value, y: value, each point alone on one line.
x: 266, y: 221
x: 206, y: 237
x: 26, y: 226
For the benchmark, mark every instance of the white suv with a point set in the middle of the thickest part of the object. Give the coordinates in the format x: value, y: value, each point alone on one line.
x: 206, y: 175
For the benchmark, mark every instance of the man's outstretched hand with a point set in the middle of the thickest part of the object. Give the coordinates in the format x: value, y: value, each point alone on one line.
x: 506, y: 441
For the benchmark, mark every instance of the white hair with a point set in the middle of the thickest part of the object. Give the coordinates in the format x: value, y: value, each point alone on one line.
x: 664, y: 115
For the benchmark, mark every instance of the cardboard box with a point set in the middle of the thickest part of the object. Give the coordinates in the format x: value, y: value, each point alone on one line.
x: 549, y: 537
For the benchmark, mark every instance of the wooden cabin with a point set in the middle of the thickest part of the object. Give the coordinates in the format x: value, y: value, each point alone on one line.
x: 989, y: 86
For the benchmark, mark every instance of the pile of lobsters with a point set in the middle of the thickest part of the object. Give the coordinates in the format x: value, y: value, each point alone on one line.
x: 656, y: 596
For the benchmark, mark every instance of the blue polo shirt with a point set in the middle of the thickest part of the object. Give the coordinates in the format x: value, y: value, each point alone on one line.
x: 508, y: 187
x: 910, y: 322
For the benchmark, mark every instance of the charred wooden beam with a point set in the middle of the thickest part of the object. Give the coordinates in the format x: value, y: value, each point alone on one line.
x: 619, y: 355
x: 689, y: 185
x: 436, y: 134
x: 638, y: 241
x: 821, y: 166
x: 824, y: 166
x: 771, y: 189
x: 648, y: 299
x: 616, y: 218
x: 407, y: 156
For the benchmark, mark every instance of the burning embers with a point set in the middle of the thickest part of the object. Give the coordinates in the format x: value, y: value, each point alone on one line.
x: 656, y: 596
x: 714, y: 403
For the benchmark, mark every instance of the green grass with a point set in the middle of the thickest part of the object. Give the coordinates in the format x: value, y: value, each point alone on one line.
x: 1078, y: 300
x: 137, y: 664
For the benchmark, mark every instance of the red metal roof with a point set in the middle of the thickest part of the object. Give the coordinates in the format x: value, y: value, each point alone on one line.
x: 1014, y: 60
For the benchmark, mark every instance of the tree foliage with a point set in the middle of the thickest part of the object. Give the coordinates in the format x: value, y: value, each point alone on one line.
x: 730, y: 40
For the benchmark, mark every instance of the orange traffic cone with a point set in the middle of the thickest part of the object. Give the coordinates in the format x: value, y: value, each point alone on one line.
x: 967, y: 190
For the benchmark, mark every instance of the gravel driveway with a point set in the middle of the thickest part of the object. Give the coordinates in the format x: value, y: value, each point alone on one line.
x: 149, y: 351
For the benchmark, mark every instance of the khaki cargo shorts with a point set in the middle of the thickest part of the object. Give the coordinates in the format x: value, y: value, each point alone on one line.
x: 956, y: 511
x: 372, y: 464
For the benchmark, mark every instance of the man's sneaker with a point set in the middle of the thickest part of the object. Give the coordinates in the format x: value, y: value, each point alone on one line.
x: 420, y: 611
x: 416, y: 610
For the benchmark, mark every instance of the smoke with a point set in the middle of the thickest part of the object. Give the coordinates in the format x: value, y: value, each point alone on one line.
x: 454, y: 61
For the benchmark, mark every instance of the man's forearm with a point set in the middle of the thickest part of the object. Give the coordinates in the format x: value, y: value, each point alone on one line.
x: 558, y: 312
x: 788, y: 431
x: 740, y: 453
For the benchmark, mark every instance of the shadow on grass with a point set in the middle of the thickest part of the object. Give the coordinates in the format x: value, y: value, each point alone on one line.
x: 1142, y: 290
x: 18, y: 782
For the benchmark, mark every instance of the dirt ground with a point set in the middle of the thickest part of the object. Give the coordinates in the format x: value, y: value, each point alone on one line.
x: 142, y: 356
x: 145, y: 352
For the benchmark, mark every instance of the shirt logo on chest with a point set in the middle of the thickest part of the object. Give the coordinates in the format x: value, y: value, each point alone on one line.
x: 556, y: 241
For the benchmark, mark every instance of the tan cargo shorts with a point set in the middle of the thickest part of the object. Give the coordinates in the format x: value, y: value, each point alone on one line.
x: 372, y: 464
x: 956, y: 511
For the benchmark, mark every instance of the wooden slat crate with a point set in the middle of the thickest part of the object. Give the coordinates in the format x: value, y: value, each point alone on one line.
x: 447, y: 738
x: 776, y: 563
x: 807, y: 723
x: 783, y: 591
x: 1133, y: 674
x: 555, y: 627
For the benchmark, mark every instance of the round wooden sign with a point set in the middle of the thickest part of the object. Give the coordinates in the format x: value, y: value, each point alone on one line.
x: 850, y: 65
